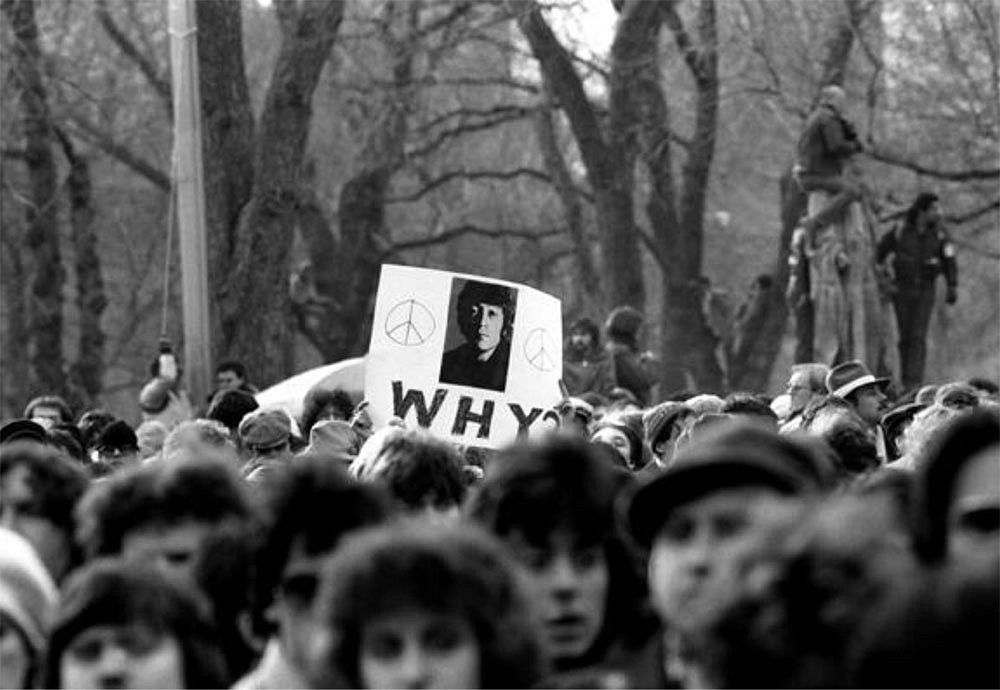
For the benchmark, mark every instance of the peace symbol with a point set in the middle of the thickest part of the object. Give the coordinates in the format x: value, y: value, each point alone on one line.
x: 409, y: 323
x: 539, y: 350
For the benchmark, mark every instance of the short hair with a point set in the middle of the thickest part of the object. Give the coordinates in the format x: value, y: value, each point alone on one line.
x: 230, y: 407
x: 815, y: 375
x: 444, y: 569
x: 65, y: 415
x: 161, y: 494
x: 207, y: 432
x: 67, y: 438
x: 537, y: 488
x: 314, y: 501
x: 748, y: 404
x: 827, y: 402
x: 113, y: 592
x: 958, y: 395
x: 416, y: 465
x: 232, y: 365
x: 57, y: 482
x: 91, y: 424
x: 317, y: 400
x: 475, y: 292
x: 854, y: 447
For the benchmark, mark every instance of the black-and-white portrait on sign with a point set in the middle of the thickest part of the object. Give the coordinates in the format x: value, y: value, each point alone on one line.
x: 477, y: 345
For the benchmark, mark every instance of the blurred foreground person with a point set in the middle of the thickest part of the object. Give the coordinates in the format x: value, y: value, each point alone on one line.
x: 28, y: 599
x: 39, y: 488
x: 424, y: 605
x: 308, y: 510
x: 125, y: 625
x: 553, y: 503
x: 689, y: 517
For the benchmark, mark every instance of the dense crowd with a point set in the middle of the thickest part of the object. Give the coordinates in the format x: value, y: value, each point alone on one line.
x: 825, y: 537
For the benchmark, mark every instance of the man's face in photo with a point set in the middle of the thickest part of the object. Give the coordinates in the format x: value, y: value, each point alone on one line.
x: 487, y: 325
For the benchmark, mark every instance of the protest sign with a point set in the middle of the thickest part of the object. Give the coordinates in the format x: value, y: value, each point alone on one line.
x: 475, y: 360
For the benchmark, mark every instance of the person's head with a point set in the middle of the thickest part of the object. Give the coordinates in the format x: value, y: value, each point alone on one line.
x: 229, y: 407
x: 321, y: 403
x: 39, y: 488
x: 698, y: 427
x: 584, y: 335
x: 750, y: 408
x: 334, y: 437
x: 918, y: 438
x: 28, y: 599
x: 926, y: 394
x: 68, y: 439
x: 362, y: 466
x: 623, y: 432
x: 117, y: 446
x: 854, y: 447
x: 308, y: 510
x: 827, y: 412
x: 128, y: 625
x: 150, y: 434
x: 926, y: 204
x: 958, y: 395
x: 806, y: 382
x: 957, y: 499
x: 48, y: 410
x: 425, y: 605
x: 895, y: 423
x: 485, y: 314
x: 623, y: 325
x: 266, y: 432
x: 91, y: 424
x: 553, y: 503
x: 854, y: 383
x: 662, y: 425
x: 159, y: 513
x: 834, y: 96
x: 199, y: 438
x: 424, y: 473
x: 713, y: 494
x: 230, y: 375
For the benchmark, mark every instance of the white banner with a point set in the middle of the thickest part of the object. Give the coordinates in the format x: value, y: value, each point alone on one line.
x: 474, y: 359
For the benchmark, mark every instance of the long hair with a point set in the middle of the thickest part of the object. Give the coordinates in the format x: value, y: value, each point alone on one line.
x: 447, y: 569
x: 113, y: 592
x: 473, y: 293
x: 919, y: 205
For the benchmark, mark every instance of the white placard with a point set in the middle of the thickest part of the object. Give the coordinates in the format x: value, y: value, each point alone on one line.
x: 482, y: 380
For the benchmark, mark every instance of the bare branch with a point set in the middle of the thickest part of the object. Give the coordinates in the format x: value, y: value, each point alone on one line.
x: 96, y: 136
x: 451, y: 175
x: 886, y: 156
x: 460, y: 130
x: 465, y: 230
x: 145, y: 63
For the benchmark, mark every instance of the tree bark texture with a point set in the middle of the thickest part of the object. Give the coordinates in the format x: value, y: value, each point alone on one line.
x: 44, y: 318
x: 87, y: 372
x: 256, y: 320
x: 606, y: 159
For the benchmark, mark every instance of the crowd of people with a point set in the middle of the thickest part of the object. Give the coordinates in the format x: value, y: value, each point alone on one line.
x: 825, y: 537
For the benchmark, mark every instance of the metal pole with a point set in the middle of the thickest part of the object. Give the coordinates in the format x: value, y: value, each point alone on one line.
x: 190, y: 198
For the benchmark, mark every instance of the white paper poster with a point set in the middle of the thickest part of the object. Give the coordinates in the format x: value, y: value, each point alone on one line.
x: 474, y: 359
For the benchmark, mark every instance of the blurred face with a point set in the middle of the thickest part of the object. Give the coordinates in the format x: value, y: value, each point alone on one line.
x: 693, y: 549
x: 15, y: 658
x: 974, y: 514
x: 227, y: 380
x: 171, y: 548
x: 21, y: 512
x: 616, y: 439
x: 568, y: 585
x: 487, y: 326
x: 798, y: 391
x: 46, y: 415
x: 298, y: 628
x: 869, y: 402
x: 415, y: 648
x: 111, y: 656
x: 581, y: 340
x: 933, y: 212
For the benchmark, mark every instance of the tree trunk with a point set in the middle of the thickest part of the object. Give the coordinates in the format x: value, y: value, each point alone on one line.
x: 45, y: 322
x: 256, y: 316
x: 608, y: 167
x: 87, y: 373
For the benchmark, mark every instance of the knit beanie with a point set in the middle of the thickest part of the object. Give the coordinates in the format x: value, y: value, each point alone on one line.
x: 28, y: 596
x: 658, y: 421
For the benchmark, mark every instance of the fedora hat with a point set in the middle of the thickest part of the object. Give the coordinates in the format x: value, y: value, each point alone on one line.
x: 847, y: 377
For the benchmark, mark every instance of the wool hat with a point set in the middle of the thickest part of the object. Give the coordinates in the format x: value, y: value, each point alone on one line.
x: 847, y: 377
x: 658, y: 421
x: 265, y: 429
x: 28, y: 596
x: 117, y: 436
x: 23, y: 430
x: 624, y: 321
x: 738, y: 456
x: 334, y: 437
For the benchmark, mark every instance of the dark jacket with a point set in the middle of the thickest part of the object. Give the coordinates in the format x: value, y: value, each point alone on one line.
x: 826, y: 142
x: 918, y: 257
x: 461, y: 366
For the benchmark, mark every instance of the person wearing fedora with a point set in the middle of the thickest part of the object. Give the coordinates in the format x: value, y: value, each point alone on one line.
x: 853, y: 382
